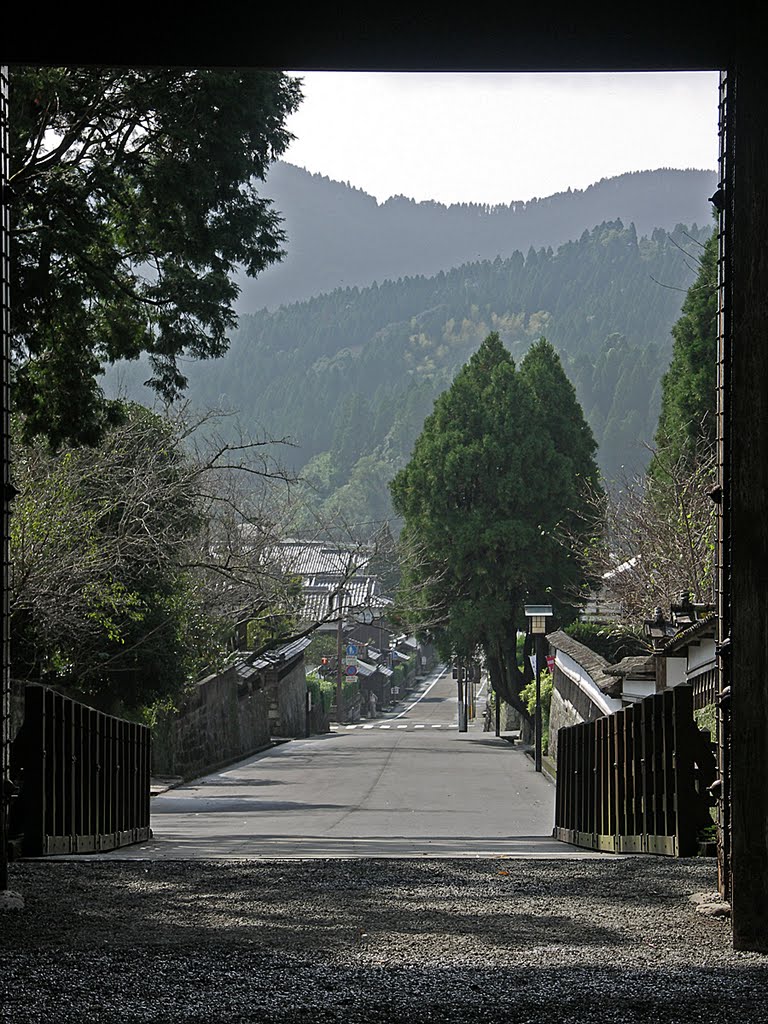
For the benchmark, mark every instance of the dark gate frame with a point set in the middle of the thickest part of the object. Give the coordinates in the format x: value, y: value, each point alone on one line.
x: 583, y: 39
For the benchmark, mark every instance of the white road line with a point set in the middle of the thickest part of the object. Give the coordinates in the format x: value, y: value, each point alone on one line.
x: 351, y: 727
x: 419, y: 727
x: 367, y: 726
x: 423, y: 695
x: 437, y: 726
x: 401, y: 726
x: 385, y: 726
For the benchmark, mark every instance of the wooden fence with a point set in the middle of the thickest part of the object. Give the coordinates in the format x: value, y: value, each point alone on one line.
x: 636, y: 781
x: 85, y: 777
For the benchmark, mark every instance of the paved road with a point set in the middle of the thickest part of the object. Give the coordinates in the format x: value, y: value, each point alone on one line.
x: 405, y: 784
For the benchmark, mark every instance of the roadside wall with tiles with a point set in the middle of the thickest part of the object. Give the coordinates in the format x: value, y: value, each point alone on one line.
x: 288, y: 703
x: 561, y: 714
x: 222, y: 721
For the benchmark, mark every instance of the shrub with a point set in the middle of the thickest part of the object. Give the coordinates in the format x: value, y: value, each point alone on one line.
x: 528, y: 696
x: 611, y: 642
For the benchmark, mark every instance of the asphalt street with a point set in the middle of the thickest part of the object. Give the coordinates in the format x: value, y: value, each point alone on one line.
x: 405, y: 784
x: 398, y: 871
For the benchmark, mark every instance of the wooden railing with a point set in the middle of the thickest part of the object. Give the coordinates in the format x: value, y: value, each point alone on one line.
x: 636, y: 781
x: 85, y: 777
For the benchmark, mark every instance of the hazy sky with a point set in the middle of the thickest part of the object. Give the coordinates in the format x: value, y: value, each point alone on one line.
x: 494, y: 138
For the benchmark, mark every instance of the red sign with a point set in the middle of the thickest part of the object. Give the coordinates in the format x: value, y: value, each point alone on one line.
x: 551, y: 662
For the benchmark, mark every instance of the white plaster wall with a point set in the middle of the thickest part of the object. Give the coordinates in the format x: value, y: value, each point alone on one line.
x: 585, y: 682
x: 702, y: 655
x: 638, y: 688
x: 676, y: 671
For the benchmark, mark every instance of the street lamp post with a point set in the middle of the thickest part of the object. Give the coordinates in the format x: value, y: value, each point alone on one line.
x: 537, y: 615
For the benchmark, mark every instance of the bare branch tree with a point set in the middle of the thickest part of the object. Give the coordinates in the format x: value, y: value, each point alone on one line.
x: 117, y: 548
x: 657, y: 538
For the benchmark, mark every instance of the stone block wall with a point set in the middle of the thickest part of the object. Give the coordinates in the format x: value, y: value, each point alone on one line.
x: 288, y: 703
x: 561, y: 714
x: 221, y: 722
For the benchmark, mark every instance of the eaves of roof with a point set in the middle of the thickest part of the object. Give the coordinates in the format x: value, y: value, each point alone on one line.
x: 698, y: 630
x: 594, y: 664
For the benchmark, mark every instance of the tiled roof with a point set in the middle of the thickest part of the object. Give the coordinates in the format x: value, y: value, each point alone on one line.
x: 280, y: 655
x: 636, y: 665
x: 360, y: 594
x: 592, y: 662
x: 705, y: 626
x: 310, y: 558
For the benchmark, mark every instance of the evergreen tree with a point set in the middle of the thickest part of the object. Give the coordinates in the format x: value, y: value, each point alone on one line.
x: 689, y: 387
x: 482, y: 498
x: 576, y: 472
x: 133, y: 201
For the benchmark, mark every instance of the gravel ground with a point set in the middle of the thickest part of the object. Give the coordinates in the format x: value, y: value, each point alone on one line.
x: 377, y: 940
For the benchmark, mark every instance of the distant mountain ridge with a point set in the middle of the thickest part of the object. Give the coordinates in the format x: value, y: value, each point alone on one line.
x: 339, y: 236
x: 350, y: 372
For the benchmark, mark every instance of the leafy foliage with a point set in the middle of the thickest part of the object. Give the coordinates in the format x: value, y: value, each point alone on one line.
x: 658, y: 535
x: 482, y: 497
x: 134, y: 199
x: 130, y: 563
x: 611, y: 642
x: 689, y: 387
x: 528, y: 697
x: 352, y: 375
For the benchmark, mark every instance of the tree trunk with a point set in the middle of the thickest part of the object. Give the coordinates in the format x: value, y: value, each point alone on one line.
x: 506, y: 678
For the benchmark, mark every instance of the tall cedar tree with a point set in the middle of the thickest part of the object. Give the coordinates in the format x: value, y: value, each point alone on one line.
x: 689, y: 387
x: 489, y: 483
x: 560, y: 574
x: 134, y: 199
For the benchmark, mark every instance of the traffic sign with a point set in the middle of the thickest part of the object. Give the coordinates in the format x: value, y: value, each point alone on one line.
x: 352, y: 650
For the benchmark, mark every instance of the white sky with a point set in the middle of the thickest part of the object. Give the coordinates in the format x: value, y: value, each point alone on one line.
x: 494, y: 138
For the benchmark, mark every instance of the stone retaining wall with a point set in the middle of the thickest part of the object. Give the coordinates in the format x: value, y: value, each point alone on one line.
x: 561, y: 714
x: 221, y: 722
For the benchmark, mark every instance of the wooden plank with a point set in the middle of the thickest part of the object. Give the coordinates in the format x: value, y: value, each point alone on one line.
x: 34, y: 754
x: 685, y: 793
x: 668, y: 744
x: 621, y: 773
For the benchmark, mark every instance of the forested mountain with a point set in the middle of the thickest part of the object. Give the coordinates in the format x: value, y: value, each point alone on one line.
x: 352, y: 374
x: 339, y: 236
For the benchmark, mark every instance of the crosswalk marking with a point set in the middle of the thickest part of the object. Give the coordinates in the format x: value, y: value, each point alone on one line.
x: 388, y: 725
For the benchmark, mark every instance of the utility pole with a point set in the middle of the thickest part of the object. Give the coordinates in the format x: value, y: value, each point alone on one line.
x: 461, y: 682
x: 462, y: 694
x: 339, y: 661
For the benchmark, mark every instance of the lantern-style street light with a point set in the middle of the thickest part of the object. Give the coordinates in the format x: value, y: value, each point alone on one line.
x: 536, y: 616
